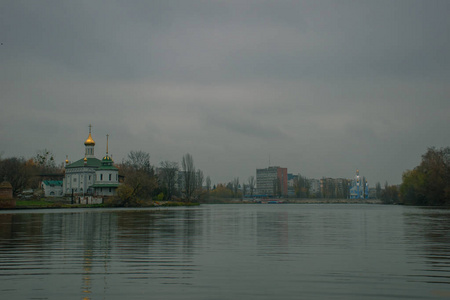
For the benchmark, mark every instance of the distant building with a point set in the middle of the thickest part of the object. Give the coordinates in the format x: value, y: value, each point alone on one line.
x: 6, y: 190
x: 52, y: 188
x: 272, y: 181
x: 290, y: 184
x: 359, y: 188
x: 89, y: 175
x: 314, y: 187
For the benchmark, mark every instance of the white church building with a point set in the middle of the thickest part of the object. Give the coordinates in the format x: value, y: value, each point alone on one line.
x: 90, y: 175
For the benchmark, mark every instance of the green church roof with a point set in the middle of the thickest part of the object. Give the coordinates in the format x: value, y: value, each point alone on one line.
x: 108, y: 167
x: 53, y: 182
x: 91, y: 162
x: 105, y: 185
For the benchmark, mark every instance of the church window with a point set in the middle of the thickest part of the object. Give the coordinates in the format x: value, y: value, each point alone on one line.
x: 101, y: 176
x: 109, y: 177
x: 74, y: 180
x: 110, y: 190
x: 89, y: 177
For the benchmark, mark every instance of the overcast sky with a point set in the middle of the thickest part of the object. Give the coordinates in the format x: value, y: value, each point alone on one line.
x: 320, y: 87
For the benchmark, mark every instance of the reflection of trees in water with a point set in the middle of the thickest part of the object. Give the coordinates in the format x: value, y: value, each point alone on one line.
x: 433, y: 225
x: 153, y: 244
x: 21, y: 229
x: 102, y: 247
x: 143, y: 230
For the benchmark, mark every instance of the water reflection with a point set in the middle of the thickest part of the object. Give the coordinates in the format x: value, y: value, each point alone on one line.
x: 429, y: 232
x: 226, y: 252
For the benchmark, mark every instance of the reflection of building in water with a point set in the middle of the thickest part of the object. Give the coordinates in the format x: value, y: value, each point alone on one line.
x: 94, y: 231
x: 87, y: 268
x: 272, y: 228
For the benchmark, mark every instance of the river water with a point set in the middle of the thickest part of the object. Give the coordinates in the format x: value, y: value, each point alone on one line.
x: 280, y: 251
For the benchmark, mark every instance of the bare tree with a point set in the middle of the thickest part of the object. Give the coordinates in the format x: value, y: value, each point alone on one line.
x: 251, y: 184
x: 199, y: 180
x: 167, y: 177
x: 45, y: 161
x: 139, y: 176
x: 208, y: 183
x: 188, y: 168
x: 139, y: 160
x: 17, y: 172
x: 235, y: 185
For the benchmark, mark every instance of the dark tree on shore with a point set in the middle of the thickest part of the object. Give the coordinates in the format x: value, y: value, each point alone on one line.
x: 301, y: 186
x: 235, y: 185
x: 428, y: 183
x: 167, y: 178
x: 251, y: 184
x: 188, y: 168
x: 208, y: 184
x: 18, y: 172
x: 140, y: 180
x: 390, y: 194
x: 378, y: 190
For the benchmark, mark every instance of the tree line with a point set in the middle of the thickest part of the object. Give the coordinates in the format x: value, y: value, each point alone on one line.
x: 426, y: 184
x: 24, y: 173
x: 429, y: 182
x: 142, y: 182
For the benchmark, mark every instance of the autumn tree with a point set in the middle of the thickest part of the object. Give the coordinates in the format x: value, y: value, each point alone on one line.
x: 301, y: 186
x: 139, y: 176
x: 221, y: 191
x: 428, y: 183
x: 45, y: 161
x: 16, y: 171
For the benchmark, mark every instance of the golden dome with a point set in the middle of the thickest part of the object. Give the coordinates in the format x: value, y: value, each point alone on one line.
x: 89, y: 141
x: 85, y: 159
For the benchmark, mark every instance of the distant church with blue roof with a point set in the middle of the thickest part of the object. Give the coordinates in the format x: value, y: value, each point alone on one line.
x: 359, y: 189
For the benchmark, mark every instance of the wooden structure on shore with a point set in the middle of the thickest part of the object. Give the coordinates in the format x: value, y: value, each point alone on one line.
x: 6, y: 195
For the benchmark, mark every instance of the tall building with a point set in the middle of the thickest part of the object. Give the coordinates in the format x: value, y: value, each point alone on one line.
x: 272, y: 181
x: 89, y: 175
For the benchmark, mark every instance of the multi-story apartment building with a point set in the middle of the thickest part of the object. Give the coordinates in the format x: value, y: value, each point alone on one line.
x: 272, y: 181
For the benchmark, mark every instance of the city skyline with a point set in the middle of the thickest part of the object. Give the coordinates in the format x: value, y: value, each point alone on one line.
x: 323, y: 88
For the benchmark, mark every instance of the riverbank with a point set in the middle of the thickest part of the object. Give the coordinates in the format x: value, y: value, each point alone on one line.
x: 290, y: 201
x: 64, y: 203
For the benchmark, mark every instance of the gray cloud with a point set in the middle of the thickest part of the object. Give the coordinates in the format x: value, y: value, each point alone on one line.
x: 322, y: 87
